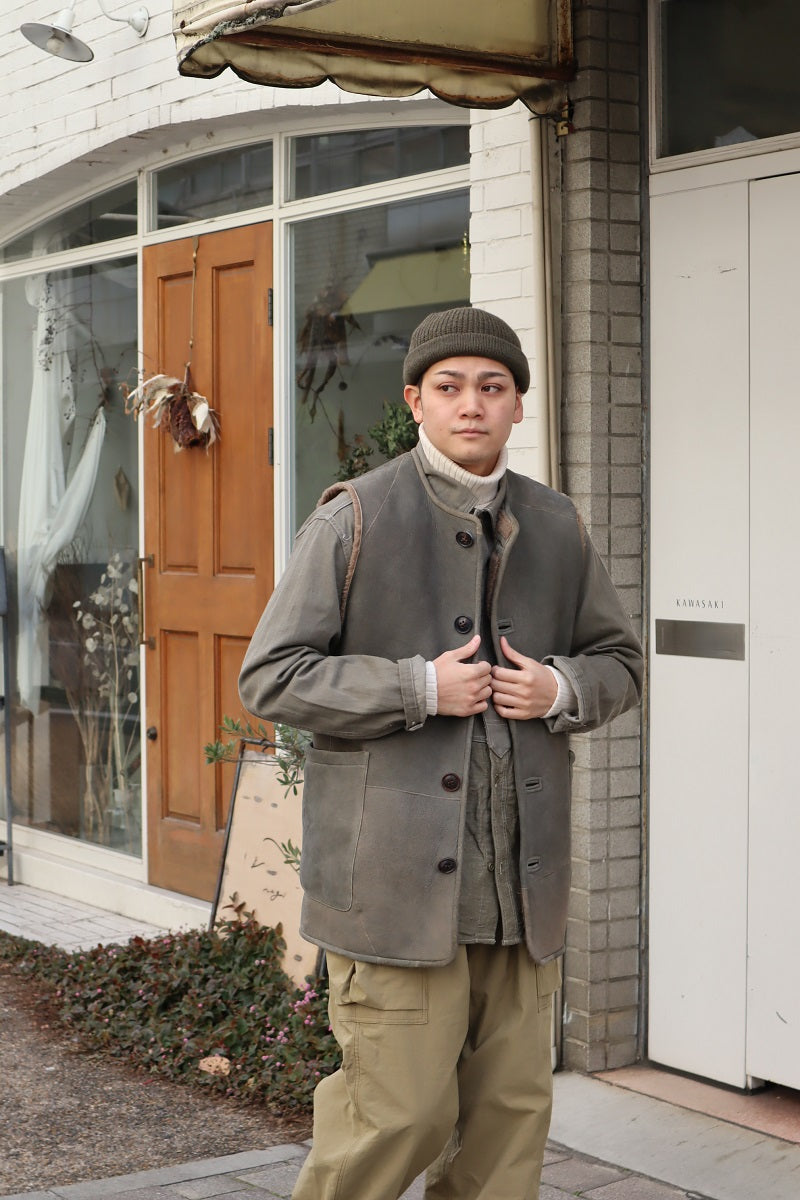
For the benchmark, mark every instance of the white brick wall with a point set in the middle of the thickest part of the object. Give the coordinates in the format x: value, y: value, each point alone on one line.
x: 502, y: 258
x: 56, y: 112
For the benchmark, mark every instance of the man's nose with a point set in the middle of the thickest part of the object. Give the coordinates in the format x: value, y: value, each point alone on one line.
x: 472, y: 401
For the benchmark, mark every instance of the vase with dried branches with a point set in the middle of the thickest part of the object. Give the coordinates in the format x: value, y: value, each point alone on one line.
x: 101, y: 688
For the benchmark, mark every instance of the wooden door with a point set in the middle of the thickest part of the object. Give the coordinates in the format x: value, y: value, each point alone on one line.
x: 209, y: 530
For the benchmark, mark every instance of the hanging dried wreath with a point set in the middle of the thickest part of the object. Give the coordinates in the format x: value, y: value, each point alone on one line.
x: 172, y: 403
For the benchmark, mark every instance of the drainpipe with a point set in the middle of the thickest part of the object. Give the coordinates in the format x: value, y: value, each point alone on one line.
x: 545, y: 379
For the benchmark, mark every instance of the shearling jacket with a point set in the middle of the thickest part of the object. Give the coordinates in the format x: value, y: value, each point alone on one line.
x: 341, y: 650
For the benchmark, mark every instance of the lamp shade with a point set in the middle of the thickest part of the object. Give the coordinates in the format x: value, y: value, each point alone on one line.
x: 57, y: 38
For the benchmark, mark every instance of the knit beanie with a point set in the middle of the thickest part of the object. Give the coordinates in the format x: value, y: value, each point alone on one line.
x: 465, y: 331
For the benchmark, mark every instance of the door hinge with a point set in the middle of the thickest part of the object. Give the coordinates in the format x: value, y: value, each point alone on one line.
x: 270, y: 306
x: 271, y: 446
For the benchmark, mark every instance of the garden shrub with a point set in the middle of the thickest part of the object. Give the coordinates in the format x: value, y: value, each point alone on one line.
x: 165, y: 1004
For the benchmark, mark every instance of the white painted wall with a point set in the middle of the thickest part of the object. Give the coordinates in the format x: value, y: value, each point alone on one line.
x: 503, y: 258
x: 56, y: 112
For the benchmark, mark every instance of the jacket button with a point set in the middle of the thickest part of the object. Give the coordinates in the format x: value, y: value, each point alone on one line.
x: 447, y: 866
x: 463, y: 624
x: 465, y: 539
x: 451, y: 782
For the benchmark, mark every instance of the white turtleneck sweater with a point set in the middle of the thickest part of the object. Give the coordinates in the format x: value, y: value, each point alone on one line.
x: 484, y: 489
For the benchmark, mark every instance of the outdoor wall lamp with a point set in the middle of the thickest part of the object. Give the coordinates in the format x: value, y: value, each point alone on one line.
x: 58, y: 38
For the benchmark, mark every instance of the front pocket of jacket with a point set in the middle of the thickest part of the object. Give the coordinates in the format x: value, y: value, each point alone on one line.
x: 333, y: 809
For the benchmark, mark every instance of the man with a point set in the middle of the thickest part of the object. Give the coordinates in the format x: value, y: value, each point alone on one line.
x: 441, y: 627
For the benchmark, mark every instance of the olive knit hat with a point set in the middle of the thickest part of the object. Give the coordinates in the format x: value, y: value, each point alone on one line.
x: 465, y: 331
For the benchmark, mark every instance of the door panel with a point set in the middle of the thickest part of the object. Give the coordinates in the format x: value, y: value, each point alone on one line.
x: 724, y: 821
x: 698, y: 765
x: 208, y: 526
x: 773, y: 1025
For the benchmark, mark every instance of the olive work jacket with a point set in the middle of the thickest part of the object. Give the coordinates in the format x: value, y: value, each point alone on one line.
x: 384, y: 784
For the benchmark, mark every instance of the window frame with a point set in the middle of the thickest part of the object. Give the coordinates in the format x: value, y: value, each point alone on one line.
x: 659, y: 162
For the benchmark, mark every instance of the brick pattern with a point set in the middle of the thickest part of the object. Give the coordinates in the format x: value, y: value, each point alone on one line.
x: 602, y: 471
x: 501, y: 249
x: 56, y: 112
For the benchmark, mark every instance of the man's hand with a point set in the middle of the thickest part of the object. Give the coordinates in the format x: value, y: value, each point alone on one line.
x: 463, y: 688
x: 523, y: 691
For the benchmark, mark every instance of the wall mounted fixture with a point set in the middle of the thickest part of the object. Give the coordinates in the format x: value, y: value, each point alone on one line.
x: 58, y: 38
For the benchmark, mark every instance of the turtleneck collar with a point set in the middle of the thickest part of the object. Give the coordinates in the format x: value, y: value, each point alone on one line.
x: 483, y: 487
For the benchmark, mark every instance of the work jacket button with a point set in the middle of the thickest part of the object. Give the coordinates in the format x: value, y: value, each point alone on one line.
x: 451, y: 782
x: 465, y: 539
x: 447, y: 866
x: 463, y: 624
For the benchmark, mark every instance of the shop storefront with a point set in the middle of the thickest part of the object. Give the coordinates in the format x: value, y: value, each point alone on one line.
x: 137, y: 573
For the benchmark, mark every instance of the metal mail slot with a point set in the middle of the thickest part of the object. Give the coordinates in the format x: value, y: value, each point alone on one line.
x: 700, y: 639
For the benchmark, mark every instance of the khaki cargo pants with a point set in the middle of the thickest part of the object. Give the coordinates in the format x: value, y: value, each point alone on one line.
x: 445, y: 1068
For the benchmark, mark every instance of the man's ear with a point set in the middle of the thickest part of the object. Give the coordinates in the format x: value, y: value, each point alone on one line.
x: 413, y: 399
x: 518, y: 413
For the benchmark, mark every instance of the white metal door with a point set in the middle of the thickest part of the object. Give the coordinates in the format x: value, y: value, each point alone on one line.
x: 773, y: 943
x: 724, y: 999
x: 698, y: 704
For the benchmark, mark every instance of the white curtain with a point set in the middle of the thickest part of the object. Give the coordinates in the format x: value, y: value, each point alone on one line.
x: 50, y: 510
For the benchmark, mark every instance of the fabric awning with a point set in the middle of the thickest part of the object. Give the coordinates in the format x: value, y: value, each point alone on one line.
x: 423, y: 277
x: 480, y: 54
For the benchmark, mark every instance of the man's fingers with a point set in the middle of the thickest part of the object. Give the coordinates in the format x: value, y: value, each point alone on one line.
x: 505, y: 675
x: 462, y: 653
x: 511, y: 654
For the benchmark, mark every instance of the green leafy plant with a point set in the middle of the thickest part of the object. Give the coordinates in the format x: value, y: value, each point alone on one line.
x: 214, y: 1009
x: 394, y: 434
x: 289, y: 745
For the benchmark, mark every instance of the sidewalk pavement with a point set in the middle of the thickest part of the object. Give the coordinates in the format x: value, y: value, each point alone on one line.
x: 606, y: 1143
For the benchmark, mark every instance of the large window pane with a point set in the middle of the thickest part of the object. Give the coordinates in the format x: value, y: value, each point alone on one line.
x: 71, y: 522
x: 362, y: 281
x: 104, y: 218
x: 728, y: 72
x: 214, y: 185
x: 333, y: 161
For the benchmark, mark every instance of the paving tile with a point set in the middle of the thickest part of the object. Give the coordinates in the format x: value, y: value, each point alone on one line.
x: 551, y: 1193
x: 277, y: 1180
x: 579, y: 1175
x: 145, y: 1193
x: 555, y: 1154
x: 635, y: 1187
x: 203, y: 1189
x: 251, y: 1193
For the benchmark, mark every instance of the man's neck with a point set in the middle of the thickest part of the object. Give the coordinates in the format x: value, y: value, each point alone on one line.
x: 483, y: 487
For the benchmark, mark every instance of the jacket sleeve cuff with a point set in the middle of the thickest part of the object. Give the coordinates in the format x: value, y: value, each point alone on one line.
x: 573, y: 717
x: 413, y: 690
x: 566, y: 700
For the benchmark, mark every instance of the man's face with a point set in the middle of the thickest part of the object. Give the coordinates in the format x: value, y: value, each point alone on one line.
x: 468, y: 405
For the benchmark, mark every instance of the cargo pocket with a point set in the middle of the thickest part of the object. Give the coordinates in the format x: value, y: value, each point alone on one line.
x: 333, y: 809
x: 548, y: 981
x: 375, y: 994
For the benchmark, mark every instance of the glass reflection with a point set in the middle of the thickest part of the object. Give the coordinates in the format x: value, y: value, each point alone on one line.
x: 362, y: 281
x: 71, y: 529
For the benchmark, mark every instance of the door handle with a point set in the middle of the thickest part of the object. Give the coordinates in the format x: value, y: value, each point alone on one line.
x: 141, y: 562
x: 152, y: 733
